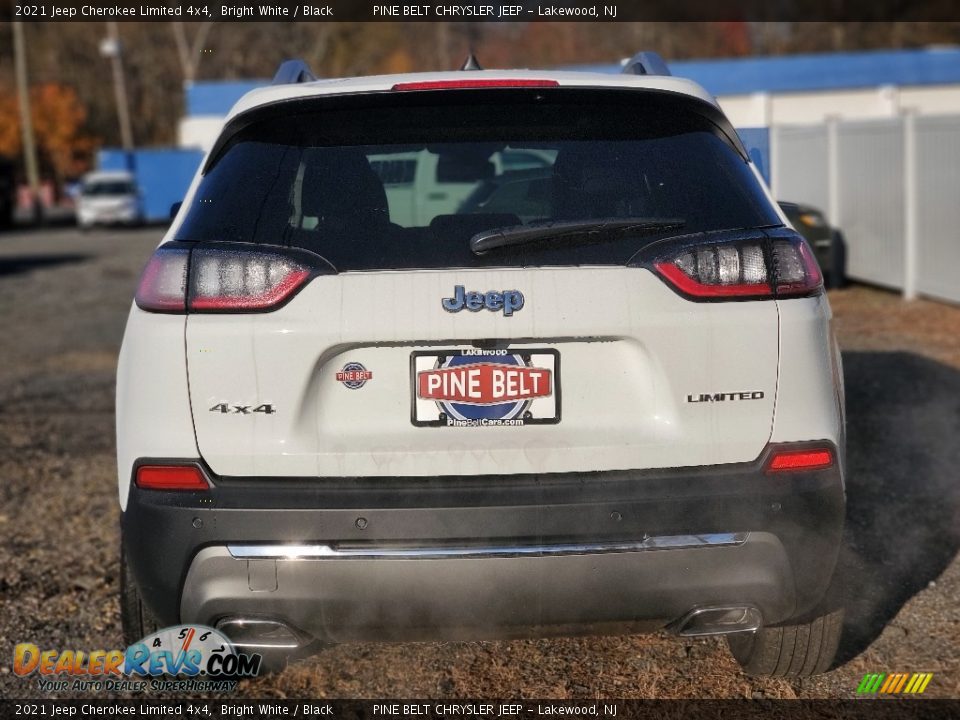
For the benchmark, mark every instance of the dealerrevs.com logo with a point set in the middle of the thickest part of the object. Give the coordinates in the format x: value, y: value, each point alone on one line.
x: 182, y: 658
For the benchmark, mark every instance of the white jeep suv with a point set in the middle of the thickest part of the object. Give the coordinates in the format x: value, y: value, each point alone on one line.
x: 622, y: 412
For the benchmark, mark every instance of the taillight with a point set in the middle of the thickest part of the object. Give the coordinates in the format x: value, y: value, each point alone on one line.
x: 797, y: 460
x: 178, y: 280
x: 163, y: 285
x: 226, y: 280
x: 475, y: 84
x: 782, y: 267
x: 171, y: 477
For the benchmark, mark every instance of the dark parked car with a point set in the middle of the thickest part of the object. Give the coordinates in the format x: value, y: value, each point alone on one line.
x: 827, y: 242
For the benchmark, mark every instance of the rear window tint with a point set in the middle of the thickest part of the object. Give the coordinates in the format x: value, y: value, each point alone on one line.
x: 407, y: 185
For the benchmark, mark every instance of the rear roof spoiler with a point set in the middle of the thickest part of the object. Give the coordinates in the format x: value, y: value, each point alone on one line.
x: 292, y: 72
x: 645, y: 63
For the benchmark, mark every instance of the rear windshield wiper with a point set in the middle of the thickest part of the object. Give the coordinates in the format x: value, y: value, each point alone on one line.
x: 578, y: 230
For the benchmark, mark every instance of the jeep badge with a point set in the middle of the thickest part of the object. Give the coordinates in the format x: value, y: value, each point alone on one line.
x: 509, y: 301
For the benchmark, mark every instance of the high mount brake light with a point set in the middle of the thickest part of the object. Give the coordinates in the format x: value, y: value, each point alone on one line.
x: 744, y: 269
x: 798, y: 460
x: 217, y: 280
x: 475, y: 84
x: 171, y: 477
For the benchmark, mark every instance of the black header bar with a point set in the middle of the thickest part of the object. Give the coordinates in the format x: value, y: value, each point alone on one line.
x: 501, y: 709
x: 492, y: 11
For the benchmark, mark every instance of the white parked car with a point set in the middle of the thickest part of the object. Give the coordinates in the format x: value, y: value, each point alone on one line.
x: 624, y: 413
x: 109, y: 198
x: 423, y: 184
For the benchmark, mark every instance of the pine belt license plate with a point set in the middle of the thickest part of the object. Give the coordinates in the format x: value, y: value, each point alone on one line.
x: 485, y: 388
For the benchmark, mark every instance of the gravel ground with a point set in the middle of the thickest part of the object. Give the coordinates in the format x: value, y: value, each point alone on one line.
x: 63, y: 301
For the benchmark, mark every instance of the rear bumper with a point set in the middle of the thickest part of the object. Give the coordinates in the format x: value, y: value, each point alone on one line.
x: 486, y: 597
x: 407, y: 558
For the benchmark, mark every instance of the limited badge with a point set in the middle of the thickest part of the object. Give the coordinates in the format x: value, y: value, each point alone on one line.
x: 354, y: 375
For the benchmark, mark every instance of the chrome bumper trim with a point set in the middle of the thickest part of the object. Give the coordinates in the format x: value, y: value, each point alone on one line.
x: 344, y: 552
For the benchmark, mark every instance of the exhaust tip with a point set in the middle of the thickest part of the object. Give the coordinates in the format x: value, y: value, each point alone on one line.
x: 261, y: 634
x: 720, y: 620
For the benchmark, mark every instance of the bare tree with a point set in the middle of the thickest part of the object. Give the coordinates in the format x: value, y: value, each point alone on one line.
x: 442, y: 39
x: 190, y: 53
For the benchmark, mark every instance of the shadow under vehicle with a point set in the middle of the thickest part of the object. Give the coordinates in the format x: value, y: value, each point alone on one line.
x: 903, y: 502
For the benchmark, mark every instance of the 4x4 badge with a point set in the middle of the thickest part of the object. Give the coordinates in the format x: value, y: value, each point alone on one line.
x: 509, y: 301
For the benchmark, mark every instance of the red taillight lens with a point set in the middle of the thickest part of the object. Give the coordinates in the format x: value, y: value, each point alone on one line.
x: 475, y: 84
x: 215, y: 280
x: 163, y: 285
x: 796, y: 269
x: 226, y: 280
x: 795, y: 460
x: 171, y: 477
x: 743, y: 269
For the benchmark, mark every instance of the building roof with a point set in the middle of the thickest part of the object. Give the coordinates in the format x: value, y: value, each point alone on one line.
x: 813, y: 72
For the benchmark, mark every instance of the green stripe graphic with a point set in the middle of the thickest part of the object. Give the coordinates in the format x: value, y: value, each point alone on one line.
x: 871, y: 682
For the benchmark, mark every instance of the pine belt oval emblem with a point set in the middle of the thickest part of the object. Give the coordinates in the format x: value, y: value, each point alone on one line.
x: 354, y: 375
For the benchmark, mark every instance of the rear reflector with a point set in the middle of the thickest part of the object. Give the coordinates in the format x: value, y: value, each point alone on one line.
x: 473, y: 84
x: 760, y: 269
x: 787, y: 460
x: 171, y: 477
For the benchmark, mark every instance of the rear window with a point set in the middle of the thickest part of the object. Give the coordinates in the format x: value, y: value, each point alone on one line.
x: 404, y: 180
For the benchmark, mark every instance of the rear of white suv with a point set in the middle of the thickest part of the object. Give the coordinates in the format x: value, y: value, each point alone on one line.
x: 622, y: 412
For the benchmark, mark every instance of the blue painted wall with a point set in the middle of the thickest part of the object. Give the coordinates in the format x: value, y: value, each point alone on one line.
x: 813, y: 72
x: 163, y: 175
x: 218, y: 96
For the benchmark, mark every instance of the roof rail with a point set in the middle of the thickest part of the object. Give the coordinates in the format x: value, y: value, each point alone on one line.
x: 645, y: 63
x: 293, y: 71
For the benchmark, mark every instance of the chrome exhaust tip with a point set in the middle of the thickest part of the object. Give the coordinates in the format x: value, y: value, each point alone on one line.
x: 719, y: 620
x: 261, y: 634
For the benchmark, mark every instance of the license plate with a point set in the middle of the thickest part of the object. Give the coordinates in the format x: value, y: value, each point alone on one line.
x: 485, y: 388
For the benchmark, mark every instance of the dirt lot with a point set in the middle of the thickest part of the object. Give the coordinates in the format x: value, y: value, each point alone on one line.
x: 63, y: 301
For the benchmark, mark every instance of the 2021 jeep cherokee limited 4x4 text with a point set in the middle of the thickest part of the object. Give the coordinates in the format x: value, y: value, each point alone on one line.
x: 611, y: 402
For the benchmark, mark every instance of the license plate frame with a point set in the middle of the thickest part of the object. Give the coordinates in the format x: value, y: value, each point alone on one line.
x: 541, y: 409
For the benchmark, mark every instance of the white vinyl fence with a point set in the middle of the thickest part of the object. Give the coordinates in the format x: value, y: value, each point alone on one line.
x: 892, y: 186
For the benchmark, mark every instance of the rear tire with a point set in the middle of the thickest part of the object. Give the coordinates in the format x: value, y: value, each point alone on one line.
x: 136, y: 618
x: 798, y: 650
